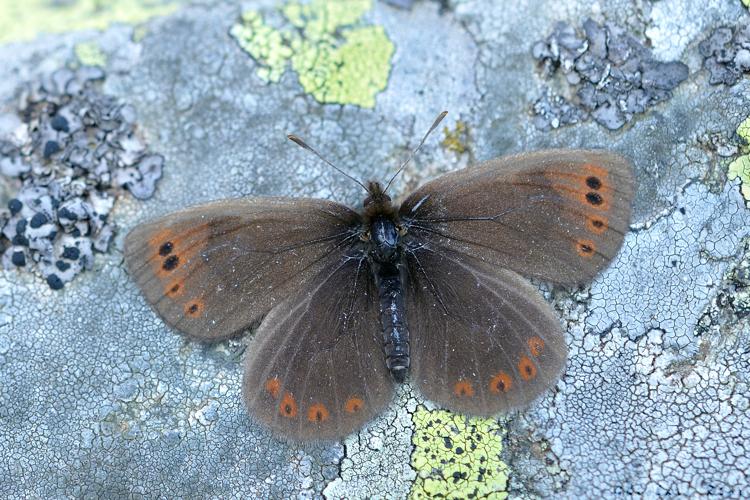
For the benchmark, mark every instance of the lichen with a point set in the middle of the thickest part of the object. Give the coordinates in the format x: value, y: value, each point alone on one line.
x: 25, y: 20
x: 337, y: 59
x: 457, y: 456
x: 90, y: 54
x: 740, y: 167
x: 455, y: 140
x: 614, y: 74
x: 73, y: 152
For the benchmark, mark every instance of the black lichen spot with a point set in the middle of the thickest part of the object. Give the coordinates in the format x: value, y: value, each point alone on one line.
x: 166, y: 249
x: 62, y: 265
x: 59, y: 123
x: 18, y: 259
x: 50, y: 148
x: 55, y: 282
x: 15, y: 206
x: 71, y: 253
x: 38, y: 220
x: 594, y: 198
x: 64, y: 213
x: 170, y: 263
x: 682, y: 210
x: 21, y: 226
x: 20, y: 240
x: 593, y: 182
x: 459, y: 476
x: 447, y: 442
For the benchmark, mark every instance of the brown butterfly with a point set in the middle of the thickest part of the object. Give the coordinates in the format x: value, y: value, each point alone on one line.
x: 349, y: 302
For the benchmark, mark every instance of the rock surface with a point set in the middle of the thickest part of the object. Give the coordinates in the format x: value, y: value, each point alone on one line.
x: 99, y: 398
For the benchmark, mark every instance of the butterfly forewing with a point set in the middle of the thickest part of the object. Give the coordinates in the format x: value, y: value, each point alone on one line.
x: 315, y: 370
x: 215, y: 269
x: 483, y: 339
x: 558, y: 215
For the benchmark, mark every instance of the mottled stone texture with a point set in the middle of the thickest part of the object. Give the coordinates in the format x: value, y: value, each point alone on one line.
x: 98, y: 398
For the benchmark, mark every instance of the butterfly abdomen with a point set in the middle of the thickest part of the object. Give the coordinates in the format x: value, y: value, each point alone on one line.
x: 393, y: 318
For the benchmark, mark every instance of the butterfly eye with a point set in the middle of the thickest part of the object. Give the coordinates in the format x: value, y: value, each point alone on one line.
x: 364, y: 236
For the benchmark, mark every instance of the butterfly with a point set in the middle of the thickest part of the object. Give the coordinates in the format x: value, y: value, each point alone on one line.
x: 349, y: 303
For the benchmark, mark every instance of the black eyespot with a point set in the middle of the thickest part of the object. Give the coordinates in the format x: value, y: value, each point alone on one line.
x: 193, y: 308
x: 594, y: 198
x: 597, y: 223
x: 593, y: 182
x: 170, y: 263
x: 166, y: 249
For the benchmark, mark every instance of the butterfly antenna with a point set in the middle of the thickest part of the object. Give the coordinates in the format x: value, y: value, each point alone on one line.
x: 299, y: 142
x: 414, y: 152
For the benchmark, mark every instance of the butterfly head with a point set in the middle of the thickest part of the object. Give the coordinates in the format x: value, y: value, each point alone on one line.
x: 375, y: 194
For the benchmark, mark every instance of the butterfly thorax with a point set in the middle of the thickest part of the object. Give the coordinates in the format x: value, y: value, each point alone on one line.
x: 382, y: 228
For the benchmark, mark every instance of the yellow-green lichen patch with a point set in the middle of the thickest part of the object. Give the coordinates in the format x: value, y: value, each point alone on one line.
x: 25, y: 20
x: 337, y: 59
x: 746, y: 3
x: 457, y: 456
x: 455, y: 140
x: 740, y: 167
x: 90, y: 54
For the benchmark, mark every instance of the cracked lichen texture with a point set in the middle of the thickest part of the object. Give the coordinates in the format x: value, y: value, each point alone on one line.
x: 740, y: 167
x: 336, y: 58
x: 457, y: 457
x: 99, y: 398
x: 25, y: 20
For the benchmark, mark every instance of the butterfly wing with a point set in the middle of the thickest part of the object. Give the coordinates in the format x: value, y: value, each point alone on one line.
x: 315, y: 369
x: 483, y: 339
x: 558, y: 215
x: 213, y: 270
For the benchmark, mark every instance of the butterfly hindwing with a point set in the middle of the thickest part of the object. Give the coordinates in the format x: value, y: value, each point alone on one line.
x: 315, y: 369
x: 558, y: 215
x: 213, y: 270
x: 483, y: 339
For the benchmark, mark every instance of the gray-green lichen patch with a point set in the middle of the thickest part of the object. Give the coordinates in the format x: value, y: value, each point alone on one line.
x: 66, y: 152
x: 612, y: 74
x: 726, y: 53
